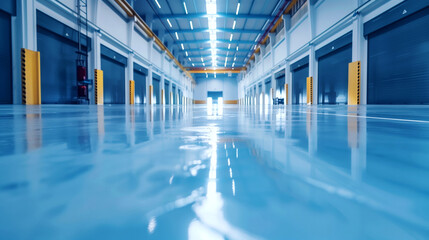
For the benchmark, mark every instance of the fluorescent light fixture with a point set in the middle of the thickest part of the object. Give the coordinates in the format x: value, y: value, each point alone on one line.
x: 190, y: 59
x: 211, y: 7
x: 257, y: 37
x: 186, y: 9
x: 230, y: 38
x: 236, y: 11
x: 213, y: 37
x: 192, y: 25
x: 186, y: 53
x: 204, y: 64
x: 229, y: 46
x: 169, y: 23
x: 202, y: 60
x: 157, y: 3
x: 177, y: 36
x: 193, y: 65
x: 233, y: 25
x: 235, y: 58
x: 215, y: 75
x: 183, y: 48
x: 233, y: 64
x: 237, y: 48
x: 212, y: 23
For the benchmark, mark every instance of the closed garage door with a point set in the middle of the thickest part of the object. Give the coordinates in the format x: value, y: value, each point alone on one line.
x: 5, y: 58
x: 140, y: 87
x: 398, y: 53
x: 156, y: 90
x: 299, y: 81
x: 167, y: 92
x: 57, y: 44
x: 140, y: 74
x: 173, y: 100
x: 333, y: 64
x: 113, y: 66
x: 299, y: 85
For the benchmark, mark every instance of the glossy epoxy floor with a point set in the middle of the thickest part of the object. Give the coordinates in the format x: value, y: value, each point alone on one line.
x: 116, y: 172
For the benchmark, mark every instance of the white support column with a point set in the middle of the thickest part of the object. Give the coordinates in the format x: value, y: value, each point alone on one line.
x: 312, y: 56
x: 130, y: 63
x: 273, y: 78
x: 288, y: 74
x: 24, y: 35
x: 359, y: 52
x: 150, y: 50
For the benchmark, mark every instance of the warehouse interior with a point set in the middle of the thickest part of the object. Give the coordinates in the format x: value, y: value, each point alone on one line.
x: 214, y: 119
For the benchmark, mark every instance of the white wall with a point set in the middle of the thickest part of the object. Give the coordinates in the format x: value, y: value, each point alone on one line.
x: 228, y: 86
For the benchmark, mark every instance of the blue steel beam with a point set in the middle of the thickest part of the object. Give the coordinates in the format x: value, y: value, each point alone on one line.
x: 228, y: 30
x: 218, y: 49
x: 219, y: 15
x: 197, y: 56
x: 218, y: 41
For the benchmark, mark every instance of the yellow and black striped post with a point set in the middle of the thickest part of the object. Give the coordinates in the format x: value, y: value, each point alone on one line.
x: 150, y: 94
x: 310, y: 90
x: 30, y: 77
x: 99, y: 99
x: 132, y: 92
x: 354, y: 83
x: 162, y: 96
x: 287, y: 94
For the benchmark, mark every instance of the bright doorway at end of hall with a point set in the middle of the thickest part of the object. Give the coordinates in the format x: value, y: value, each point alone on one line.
x: 215, y: 97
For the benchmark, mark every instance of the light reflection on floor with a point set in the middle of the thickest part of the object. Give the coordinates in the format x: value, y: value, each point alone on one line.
x: 214, y: 172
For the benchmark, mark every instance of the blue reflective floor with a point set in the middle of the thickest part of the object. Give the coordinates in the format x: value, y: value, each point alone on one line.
x: 117, y: 172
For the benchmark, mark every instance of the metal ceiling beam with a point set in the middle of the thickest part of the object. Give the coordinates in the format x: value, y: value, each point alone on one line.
x: 218, y: 41
x: 217, y: 70
x: 219, y: 55
x: 209, y: 49
x: 227, y: 30
x: 219, y: 15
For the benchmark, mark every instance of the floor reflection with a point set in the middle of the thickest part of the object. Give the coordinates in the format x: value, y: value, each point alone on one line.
x: 219, y: 172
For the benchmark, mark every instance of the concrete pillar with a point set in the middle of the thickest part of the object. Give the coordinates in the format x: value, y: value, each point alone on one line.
x: 359, y: 52
x: 312, y: 56
x: 130, y: 63
x: 288, y: 74
x: 273, y: 78
x: 24, y: 35
x: 150, y: 50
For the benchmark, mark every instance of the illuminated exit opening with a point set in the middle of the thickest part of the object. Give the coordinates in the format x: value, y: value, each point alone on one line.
x: 216, y: 97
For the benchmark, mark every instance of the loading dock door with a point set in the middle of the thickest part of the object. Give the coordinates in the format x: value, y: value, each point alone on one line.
x: 280, y: 85
x: 299, y: 85
x: 113, y: 66
x: 173, y: 101
x: 5, y: 58
x: 398, y: 66
x: 140, y: 87
x: 268, y: 98
x: 58, y: 67
x: 333, y: 76
x: 167, y: 92
x: 57, y: 44
x: 156, y: 91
